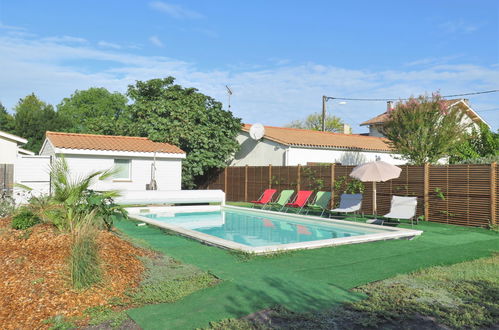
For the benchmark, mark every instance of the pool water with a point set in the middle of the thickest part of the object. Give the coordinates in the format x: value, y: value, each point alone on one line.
x: 256, y: 230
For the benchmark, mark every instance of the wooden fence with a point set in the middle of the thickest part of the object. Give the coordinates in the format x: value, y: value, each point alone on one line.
x: 456, y: 194
x: 6, y: 179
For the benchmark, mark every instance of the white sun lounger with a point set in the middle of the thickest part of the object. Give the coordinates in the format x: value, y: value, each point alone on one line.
x: 401, y: 208
x: 349, y: 203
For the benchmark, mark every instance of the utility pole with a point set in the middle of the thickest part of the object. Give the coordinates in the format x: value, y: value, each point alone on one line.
x: 229, y: 93
x: 324, y: 100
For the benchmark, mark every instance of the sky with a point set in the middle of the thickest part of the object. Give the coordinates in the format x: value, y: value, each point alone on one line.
x: 278, y: 57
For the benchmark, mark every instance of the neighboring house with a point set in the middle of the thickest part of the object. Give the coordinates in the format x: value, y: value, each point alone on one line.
x: 10, y: 148
x: 281, y: 146
x: 471, y: 117
x: 132, y: 157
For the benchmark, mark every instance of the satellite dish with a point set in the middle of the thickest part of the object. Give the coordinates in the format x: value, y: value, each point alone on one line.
x: 256, y: 131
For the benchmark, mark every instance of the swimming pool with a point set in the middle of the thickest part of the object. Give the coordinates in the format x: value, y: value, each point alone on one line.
x: 259, y: 231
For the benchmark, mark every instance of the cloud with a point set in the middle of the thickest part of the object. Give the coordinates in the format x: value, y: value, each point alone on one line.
x: 433, y: 60
x: 175, y: 11
x: 65, y: 39
x: 459, y: 26
x: 156, y: 41
x: 273, y: 95
x: 10, y: 27
x: 106, y: 44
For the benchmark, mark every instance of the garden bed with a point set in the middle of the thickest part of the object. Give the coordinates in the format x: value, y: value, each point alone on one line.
x: 35, y: 282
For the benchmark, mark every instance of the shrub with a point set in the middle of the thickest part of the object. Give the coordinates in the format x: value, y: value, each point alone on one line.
x: 106, y: 211
x: 24, y: 219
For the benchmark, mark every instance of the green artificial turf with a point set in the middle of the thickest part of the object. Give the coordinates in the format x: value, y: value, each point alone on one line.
x: 300, y: 280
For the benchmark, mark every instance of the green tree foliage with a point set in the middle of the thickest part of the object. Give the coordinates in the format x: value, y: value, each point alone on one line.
x: 314, y: 122
x: 481, y: 143
x: 425, y: 129
x: 7, y: 123
x: 95, y: 110
x: 166, y: 112
x: 33, y: 118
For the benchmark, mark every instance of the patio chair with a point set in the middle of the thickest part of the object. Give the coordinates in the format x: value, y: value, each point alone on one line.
x: 349, y: 203
x: 300, y: 201
x: 282, y: 200
x: 402, y: 208
x: 320, y: 202
x: 265, y: 198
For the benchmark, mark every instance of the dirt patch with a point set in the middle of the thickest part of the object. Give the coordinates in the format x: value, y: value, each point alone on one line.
x: 35, y: 276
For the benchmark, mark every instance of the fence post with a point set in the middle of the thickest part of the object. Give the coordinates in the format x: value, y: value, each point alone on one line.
x: 225, y: 181
x: 298, y: 180
x: 493, y: 193
x: 246, y: 183
x: 332, y: 168
x: 426, y: 192
x: 270, y: 176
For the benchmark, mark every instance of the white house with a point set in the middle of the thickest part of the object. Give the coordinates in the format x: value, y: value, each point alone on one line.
x: 10, y: 148
x: 470, y: 117
x: 282, y: 146
x: 134, y: 158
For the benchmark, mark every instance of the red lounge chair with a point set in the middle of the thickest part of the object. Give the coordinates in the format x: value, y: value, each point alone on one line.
x: 301, y: 199
x: 265, y: 198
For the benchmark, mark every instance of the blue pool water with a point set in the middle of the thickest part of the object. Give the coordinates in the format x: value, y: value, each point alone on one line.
x: 254, y: 229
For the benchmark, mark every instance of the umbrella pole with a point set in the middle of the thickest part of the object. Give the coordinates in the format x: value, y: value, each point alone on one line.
x: 375, y: 208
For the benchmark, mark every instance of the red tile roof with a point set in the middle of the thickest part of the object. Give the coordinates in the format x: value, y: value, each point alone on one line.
x: 310, y: 138
x: 381, y: 118
x: 109, y: 142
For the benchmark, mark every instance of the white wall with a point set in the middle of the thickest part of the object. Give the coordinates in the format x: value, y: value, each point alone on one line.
x: 302, y: 156
x: 8, y: 151
x: 168, y: 172
x: 33, y: 172
x: 258, y: 153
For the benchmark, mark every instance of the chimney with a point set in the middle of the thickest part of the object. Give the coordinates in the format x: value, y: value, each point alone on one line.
x: 389, y: 106
x: 347, y: 129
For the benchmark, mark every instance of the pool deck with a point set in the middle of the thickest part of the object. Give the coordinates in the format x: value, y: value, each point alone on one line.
x: 388, y: 233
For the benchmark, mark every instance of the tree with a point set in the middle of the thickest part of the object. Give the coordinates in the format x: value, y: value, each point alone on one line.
x: 6, y: 120
x: 92, y: 110
x: 480, y: 143
x: 314, y: 122
x: 33, y: 118
x: 166, y: 112
x: 425, y: 129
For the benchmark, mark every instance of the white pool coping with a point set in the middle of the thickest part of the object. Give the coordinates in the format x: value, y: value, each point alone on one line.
x: 389, y: 232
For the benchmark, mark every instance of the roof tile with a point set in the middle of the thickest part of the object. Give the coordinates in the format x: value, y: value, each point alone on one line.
x: 109, y: 142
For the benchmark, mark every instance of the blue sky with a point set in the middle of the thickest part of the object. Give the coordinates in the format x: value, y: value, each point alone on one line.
x: 279, y: 57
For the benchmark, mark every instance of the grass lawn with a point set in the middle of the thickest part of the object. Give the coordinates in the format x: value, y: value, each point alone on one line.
x: 299, y: 281
x: 463, y: 295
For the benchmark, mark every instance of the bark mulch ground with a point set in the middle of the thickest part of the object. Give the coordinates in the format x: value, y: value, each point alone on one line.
x: 35, y: 282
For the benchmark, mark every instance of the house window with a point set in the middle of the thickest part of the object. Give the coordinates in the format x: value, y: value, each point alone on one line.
x: 123, y: 169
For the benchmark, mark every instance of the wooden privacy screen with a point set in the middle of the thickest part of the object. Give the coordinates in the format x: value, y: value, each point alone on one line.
x: 6, y: 179
x: 456, y: 194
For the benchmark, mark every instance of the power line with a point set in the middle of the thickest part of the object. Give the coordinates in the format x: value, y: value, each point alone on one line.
x: 399, y: 99
x: 492, y: 109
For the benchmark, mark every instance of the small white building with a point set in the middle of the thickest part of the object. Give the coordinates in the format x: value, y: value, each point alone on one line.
x: 10, y: 148
x: 282, y: 146
x: 134, y: 159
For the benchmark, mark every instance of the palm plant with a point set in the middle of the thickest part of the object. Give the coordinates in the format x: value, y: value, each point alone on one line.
x: 71, y: 191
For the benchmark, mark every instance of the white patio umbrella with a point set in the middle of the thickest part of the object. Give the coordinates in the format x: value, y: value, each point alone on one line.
x: 378, y: 171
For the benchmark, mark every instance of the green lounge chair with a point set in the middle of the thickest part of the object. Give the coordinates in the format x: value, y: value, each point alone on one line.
x: 283, y: 199
x: 320, y: 203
